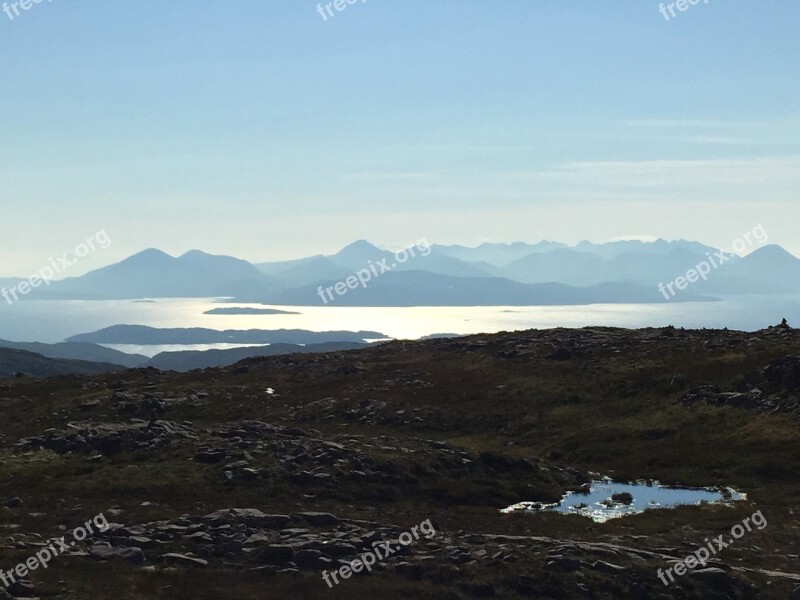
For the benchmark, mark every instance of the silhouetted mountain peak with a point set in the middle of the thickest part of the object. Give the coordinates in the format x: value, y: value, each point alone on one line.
x: 771, y: 253
x: 149, y: 256
x: 357, y: 254
x: 194, y: 254
x: 359, y: 246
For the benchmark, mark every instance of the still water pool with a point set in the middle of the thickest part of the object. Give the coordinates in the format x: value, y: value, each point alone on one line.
x: 604, y: 499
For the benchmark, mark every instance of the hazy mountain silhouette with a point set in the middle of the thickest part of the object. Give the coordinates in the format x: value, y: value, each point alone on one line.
x: 275, y: 268
x: 768, y: 269
x: 361, y: 255
x: 190, y: 360
x: 446, y: 274
x: 31, y: 364
x: 498, y: 255
x: 8, y: 282
x: 155, y: 274
x: 562, y: 266
x: 15, y: 360
x: 309, y: 271
x: 142, y: 335
x: 609, y: 250
x: 420, y: 288
x: 585, y: 268
x: 79, y: 351
x: 358, y: 255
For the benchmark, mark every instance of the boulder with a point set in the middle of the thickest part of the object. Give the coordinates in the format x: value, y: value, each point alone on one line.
x: 784, y: 373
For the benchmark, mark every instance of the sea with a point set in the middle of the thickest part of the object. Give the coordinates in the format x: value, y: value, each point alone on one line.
x: 55, y: 320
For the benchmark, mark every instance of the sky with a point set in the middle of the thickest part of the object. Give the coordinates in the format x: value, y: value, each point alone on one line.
x: 260, y: 129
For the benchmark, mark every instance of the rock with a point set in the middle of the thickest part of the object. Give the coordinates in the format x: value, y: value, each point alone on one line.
x: 22, y: 589
x: 563, y: 563
x: 13, y: 503
x: 737, y: 400
x: 231, y: 547
x: 714, y: 397
x: 251, y: 517
x: 307, y: 559
x: 318, y: 519
x: 560, y: 353
x: 139, y: 541
x: 277, y: 554
x: 339, y: 550
x: 458, y: 556
x: 182, y: 559
x: 678, y: 382
x: 796, y: 593
x: 210, y: 457
x: 133, y: 555
x: 257, y: 538
x: 606, y: 567
x: 714, y: 576
x: 250, y: 474
x: 294, y: 532
x: 784, y: 373
x: 623, y: 498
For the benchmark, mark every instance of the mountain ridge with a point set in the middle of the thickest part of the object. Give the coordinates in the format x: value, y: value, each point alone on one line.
x: 637, y: 264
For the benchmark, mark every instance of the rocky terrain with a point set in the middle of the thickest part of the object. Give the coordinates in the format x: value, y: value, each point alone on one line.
x: 249, y: 481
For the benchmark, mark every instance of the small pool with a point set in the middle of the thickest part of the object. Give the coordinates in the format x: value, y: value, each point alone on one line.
x: 605, y: 499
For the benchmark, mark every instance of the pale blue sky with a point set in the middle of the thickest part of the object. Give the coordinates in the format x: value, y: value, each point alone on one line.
x: 255, y: 128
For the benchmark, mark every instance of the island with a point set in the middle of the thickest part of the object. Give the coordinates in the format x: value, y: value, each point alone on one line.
x: 238, y: 310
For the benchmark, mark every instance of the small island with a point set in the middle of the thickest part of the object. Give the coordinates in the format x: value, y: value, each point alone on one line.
x: 237, y: 310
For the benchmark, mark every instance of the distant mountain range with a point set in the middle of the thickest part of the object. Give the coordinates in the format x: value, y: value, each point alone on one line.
x: 79, y: 351
x: 21, y: 362
x: 87, y: 357
x: 517, y: 274
x: 142, y: 335
x: 155, y: 274
x: 195, y: 359
x: 491, y: 274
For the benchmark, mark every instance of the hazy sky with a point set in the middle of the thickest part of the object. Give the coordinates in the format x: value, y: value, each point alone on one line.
x: 257, y: 129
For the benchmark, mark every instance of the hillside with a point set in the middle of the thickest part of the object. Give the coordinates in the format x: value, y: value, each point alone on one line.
x: 250, y: 480
x: 79, y: 351
x: 189, y: 360
x: 13, y: 362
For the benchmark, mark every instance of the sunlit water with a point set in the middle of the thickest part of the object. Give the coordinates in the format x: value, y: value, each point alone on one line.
x: 600, y: 504
x: 153, y: 349
x: 53, y: 321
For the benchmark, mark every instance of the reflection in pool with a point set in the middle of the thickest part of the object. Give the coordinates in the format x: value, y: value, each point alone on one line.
x: 606, y: 499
